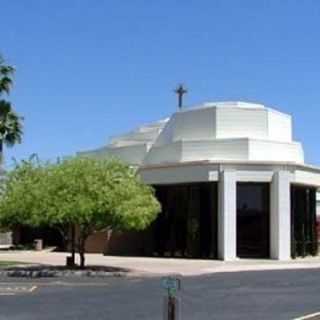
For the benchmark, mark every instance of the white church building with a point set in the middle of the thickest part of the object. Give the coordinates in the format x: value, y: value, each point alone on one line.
x: 231, y: 180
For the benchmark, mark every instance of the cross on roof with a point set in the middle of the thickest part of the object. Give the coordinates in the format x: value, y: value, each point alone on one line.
x: 180, y: 91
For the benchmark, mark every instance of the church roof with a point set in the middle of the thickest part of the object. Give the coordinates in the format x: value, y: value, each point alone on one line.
x: 213, y: 131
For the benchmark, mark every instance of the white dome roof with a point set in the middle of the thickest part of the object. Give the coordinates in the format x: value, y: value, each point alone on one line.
x: 230, y: 104
x: 212, y: 131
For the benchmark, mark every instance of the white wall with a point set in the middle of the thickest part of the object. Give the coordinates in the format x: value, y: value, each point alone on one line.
x: 132, y: 154
x: 260, y: 150
x: 241, y: 149
x: 179, y: 174
x: 169, y: 153
x: 197, y: 124
x: 135, y: 138
x: 215, y: 150
x: 306, y: 177
x: 241, y: 122
x: 279, y: 126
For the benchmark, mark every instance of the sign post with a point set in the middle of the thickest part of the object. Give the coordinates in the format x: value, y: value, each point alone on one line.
x: 171, y: 302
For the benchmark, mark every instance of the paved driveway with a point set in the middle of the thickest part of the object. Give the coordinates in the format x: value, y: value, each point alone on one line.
x: 227, y: 296
x: 186, y: 267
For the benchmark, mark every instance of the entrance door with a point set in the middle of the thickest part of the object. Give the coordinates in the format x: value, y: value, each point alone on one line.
x: 187, y: 224
x: 303, y: 221
x: 253, y: 214
x: 201, y: 218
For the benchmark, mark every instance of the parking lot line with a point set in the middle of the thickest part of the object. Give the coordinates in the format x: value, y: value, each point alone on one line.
x: 10, y: 290
x: 314, y: 316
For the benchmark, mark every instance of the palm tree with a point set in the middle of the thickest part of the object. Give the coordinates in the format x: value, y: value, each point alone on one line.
x: 10, y: 127
x: 6, y: 73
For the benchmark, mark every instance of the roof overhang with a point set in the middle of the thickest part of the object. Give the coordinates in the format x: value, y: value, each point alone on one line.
x: 206, y: 171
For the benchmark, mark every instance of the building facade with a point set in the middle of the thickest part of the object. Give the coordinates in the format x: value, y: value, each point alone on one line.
x: 231, y: 180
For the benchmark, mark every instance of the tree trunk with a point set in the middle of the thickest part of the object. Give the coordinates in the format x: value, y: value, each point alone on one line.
x: 82, y: 244
x: 82, y: 260
x: 73, y: 246
x: 1, y: 154
x: 68, y: 238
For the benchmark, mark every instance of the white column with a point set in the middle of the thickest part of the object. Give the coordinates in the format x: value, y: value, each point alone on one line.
x: 280, y: 216
x: 227, y: 215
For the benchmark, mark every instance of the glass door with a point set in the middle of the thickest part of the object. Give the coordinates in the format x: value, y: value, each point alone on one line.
x: 253, y: 214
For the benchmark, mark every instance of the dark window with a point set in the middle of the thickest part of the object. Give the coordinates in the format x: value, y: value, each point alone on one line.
x: 253, y: 216
x: 303, y: 221
x: 187, y: 225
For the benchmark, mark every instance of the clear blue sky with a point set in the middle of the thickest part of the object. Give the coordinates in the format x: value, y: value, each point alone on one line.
x: 87, y: 69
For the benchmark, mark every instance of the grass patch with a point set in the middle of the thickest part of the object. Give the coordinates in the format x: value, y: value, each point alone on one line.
x: 6, y: 264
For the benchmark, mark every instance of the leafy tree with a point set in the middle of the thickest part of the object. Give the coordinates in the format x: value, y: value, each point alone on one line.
x: 10, y: 127
x: 10, y: 122
x: 92, y: 195
x: 6, y: 73
x: 21, y: 192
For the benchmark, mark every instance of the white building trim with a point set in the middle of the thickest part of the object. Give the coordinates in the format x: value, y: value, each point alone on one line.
x: 227, y: 209
x: 280, y: 213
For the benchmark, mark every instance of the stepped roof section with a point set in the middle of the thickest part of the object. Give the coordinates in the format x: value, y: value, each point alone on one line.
x: 130, y: 147
x: 214, y: 131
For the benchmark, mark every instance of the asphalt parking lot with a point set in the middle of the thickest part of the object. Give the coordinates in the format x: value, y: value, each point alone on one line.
x: 242, y: 295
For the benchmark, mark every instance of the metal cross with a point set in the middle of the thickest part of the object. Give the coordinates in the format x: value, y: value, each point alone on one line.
x: 180, y: 91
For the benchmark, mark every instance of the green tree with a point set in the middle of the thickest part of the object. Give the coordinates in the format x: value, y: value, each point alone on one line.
x: 93, y: 195
x: 21, y: 190
x: 10, y: 127
x: 10, y: 122
x: 6, y: 73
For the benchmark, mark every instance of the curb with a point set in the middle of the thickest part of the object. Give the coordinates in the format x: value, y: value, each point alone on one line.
x: 56, y: 273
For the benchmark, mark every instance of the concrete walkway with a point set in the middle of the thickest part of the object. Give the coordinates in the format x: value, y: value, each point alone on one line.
x: 162, y: 266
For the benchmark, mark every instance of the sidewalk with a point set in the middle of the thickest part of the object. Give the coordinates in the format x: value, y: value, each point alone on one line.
x: 163, y: 266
